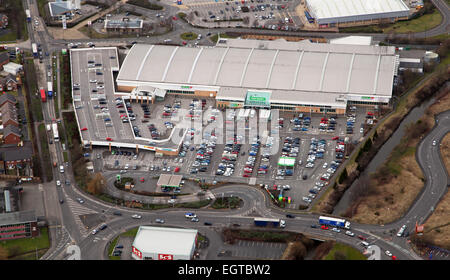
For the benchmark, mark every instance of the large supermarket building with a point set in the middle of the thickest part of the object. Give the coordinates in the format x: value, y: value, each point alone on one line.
x: 298, y: 76
x: 164, y: 243
x: 335, y: 13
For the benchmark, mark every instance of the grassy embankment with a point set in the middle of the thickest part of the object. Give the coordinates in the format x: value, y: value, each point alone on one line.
x: 399, y: 180
x: 27, y: 248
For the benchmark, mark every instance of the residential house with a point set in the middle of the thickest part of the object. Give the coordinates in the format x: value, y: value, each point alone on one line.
x: 9, y: 115
x: 7, y: 98
x: 11, y: 135
x: 4, y: 59
x: 16, y: 156
x: 8, y: 83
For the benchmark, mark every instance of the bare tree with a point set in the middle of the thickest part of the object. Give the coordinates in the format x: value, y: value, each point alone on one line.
x: 361, y: 188
x: 97, y: 184
x: 3, y: 253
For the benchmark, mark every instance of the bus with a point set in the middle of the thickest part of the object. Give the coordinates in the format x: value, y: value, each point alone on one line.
x: 27, y: 12
x: 35, y: 50
x: 55, y: 131
x: 49, y: 89
x: 43, y: 95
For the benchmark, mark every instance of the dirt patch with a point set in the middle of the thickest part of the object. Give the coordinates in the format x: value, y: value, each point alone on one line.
x: 445, y: 151
x: 392, y: 199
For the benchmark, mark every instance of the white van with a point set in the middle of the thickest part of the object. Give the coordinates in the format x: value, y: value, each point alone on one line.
x: 364, y: 243
x: 61, y: 169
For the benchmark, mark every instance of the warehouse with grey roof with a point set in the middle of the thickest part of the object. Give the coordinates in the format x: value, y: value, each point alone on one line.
x: 300, y: 76
x: 356, y: 12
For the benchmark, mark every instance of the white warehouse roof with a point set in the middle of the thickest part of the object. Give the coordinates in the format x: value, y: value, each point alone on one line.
x: 174, y: 241
x: 335, y: 9
x: 353, y: 40
x: 255, y: 64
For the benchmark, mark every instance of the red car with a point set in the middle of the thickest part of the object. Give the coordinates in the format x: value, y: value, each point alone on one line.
x: 246, y: 175
x: 184, y: 43
x: 108, y: 139
x: 324, y: 227
x: 83, y: 129
x: 369, y: 113
x: 142, y: 179
x: 361, y: 237
x: 174, y: 18
x: 177, y: 169
x: 394, y: 257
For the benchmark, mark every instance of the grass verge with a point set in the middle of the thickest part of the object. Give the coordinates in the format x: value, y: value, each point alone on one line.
x: 215, y: 37
x: 25, y: 248
x: 344, y: 252
x: 189, y: 36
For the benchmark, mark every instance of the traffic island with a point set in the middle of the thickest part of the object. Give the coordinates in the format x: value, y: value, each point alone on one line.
x: 189, y: 36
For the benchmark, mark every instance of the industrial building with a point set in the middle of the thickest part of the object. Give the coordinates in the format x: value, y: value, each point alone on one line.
x: 295, y: 76
x: 168, y: 180
x: 15, y: 225
x: 58, y: 9
x: 339, y: 13
x: 163, y: 243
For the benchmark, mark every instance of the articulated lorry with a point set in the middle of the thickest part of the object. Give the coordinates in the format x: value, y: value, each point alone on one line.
x: 268, y: 222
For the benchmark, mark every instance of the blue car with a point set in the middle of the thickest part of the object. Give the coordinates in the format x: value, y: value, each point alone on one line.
x: 304, y: 129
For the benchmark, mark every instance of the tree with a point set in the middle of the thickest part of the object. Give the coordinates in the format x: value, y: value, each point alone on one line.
x: 3, y: 253
x: 343, y: 176
x: 97, y: 184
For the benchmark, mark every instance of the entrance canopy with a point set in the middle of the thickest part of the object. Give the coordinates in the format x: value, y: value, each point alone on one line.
x: 257, y: 98
x: 286, y: 161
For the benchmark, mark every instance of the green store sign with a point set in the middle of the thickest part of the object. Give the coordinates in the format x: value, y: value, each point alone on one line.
x: 257, y: 98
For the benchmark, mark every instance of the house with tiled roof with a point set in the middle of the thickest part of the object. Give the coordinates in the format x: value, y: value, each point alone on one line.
x: 8, y: 83
x: 9, y: 115
x: 11, y: 135
x: 6, y: 97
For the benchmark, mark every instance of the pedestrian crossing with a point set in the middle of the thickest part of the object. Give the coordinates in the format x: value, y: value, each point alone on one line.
x: 78, y: 210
